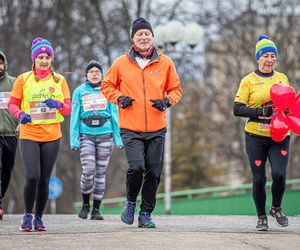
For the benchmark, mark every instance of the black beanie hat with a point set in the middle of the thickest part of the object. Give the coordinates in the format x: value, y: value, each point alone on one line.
x: 92, y: 64
x: 140, y: 23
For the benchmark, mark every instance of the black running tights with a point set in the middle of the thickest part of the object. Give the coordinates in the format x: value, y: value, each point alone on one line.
x: 259, y: 149
x: 38, y: 159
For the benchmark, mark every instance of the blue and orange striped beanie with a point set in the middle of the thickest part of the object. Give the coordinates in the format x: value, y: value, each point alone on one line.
x: 264, y: 45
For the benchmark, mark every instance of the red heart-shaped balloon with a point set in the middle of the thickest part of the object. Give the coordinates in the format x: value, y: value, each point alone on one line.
x: 295, y: 106
x: 277, y: 138
x: 294, y: 122
x: 279, y: 127
x: 283, y: 96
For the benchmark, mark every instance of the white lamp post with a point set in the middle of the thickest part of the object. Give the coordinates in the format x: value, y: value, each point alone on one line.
x: 166, y: 36
x: 193, y: 34
x: 175, y: 32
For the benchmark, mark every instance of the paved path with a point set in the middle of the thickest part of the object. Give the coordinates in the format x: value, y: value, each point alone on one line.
x: 172, y: 232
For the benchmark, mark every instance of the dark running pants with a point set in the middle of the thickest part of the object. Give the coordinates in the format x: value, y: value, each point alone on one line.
x: 259, y: 149
x: 145, y: 155
x: 38, y: 159
x: 8, y: 147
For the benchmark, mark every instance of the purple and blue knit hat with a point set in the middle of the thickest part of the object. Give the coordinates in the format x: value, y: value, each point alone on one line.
x: 40, y: 45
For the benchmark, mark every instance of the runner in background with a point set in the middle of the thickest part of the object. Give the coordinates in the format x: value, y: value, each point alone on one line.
x: 40, y: 99
x: 93, y: 127
x: 8, y: 133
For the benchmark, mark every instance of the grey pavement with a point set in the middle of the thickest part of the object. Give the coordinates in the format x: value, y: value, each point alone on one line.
x: 172, y: 232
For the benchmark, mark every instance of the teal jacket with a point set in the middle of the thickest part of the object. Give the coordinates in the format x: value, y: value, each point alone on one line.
x: 83, y: 109
x: 8, y: 123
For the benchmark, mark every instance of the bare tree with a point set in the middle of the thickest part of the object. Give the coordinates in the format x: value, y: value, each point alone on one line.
x: 207, y: 140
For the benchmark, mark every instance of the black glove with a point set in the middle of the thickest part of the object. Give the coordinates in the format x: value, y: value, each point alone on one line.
x: 125, y: 101
x: 161, y: 104
x: 264, y: 111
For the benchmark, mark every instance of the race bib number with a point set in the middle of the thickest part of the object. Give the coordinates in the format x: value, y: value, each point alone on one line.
x: 4, y: 99
x: 93, y: 102
x: 264, y: 127
x: 40, y: 111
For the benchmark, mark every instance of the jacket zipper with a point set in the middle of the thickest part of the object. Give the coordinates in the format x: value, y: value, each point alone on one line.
x: 144, y: 88
x: 145, y: 107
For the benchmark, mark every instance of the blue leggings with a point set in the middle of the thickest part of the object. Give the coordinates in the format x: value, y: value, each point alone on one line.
x: 259, y: 149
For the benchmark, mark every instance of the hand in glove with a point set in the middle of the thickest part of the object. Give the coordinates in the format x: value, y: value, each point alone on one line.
x: 125, y: 101
x: 161, y: 104
x: 53, y: 103
x: 24, y: 118
x: 266, y: 111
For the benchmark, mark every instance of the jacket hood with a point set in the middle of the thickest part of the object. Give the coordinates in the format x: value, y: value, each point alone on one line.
x: 3, y: 57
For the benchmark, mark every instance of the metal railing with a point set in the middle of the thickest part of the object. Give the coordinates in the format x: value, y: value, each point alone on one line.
x: 204, y: 192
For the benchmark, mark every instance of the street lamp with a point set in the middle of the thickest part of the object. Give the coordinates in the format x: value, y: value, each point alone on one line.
x: 166, y: 37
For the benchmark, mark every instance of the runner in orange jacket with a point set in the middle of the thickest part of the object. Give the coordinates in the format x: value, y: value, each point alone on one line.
x: 144, y: 83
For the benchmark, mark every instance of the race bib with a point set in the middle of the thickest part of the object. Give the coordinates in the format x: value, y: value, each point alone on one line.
x: 264, y: 127
x: 40, y: 111
x: 93, y: 102
x: 4, y: 99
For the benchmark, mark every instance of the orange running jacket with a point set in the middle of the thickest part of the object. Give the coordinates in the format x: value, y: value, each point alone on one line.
x: 157, y: 80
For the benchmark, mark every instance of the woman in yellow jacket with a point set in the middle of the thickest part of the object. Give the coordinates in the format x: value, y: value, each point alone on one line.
x: 253, y: 101
x: 143, y: 83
